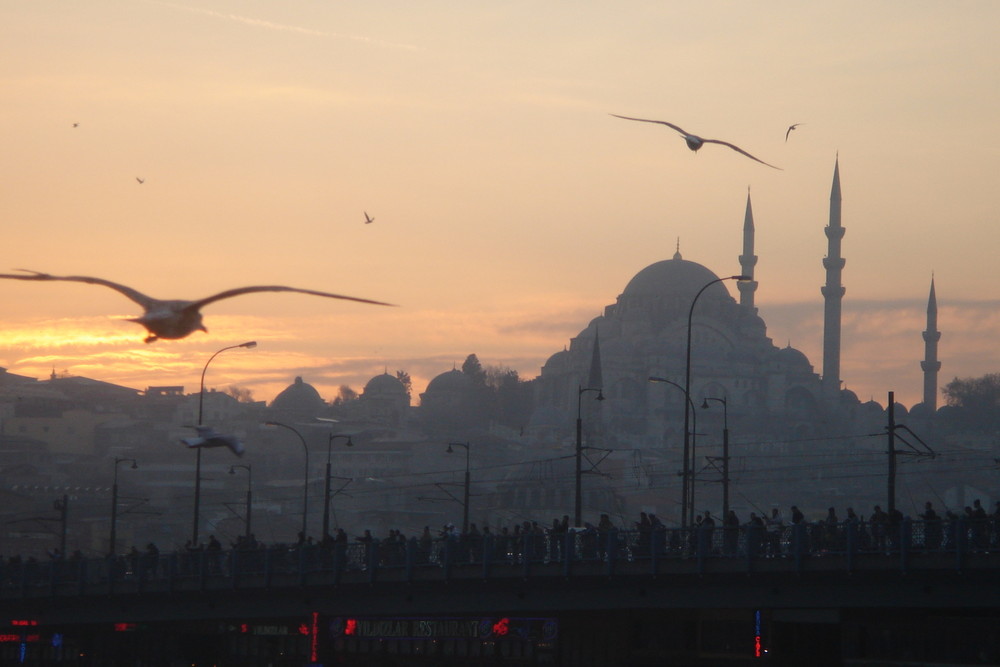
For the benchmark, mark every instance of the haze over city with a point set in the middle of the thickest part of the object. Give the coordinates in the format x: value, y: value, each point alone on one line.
x: 184, y: 149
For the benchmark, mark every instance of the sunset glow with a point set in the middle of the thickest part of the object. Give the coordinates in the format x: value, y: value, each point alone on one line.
x: 510, y: 208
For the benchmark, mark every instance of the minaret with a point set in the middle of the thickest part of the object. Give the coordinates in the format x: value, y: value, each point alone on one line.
x: 930, y: 365
x: 748, y: 260
x: 833, y: 293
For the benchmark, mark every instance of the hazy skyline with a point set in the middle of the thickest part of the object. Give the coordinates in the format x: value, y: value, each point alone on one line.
x: 509, y: 206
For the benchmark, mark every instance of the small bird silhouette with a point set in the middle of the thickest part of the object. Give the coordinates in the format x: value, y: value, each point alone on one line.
x: 790, y: 128
x: 76, y: 125
x: 694, y: 142
x: 368, y: 219
x: 141, y: 180
x: 175, y: 319
x: 208, y: 438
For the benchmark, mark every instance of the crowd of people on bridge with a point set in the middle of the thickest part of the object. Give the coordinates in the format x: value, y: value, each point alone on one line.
x: 762, y: 534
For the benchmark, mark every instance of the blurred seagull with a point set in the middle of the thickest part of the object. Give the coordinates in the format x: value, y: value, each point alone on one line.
x: 208, y: 438
x: 790, y: 128
x: 141, y: 180
x: 174, y: 319
x: 368, y: 219
x: 694, y: 142
x: 76, y: 125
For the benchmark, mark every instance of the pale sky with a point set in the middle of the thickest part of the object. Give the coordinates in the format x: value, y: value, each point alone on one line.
x: 509, y: 207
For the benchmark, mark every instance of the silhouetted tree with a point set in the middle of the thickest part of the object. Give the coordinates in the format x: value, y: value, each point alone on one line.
x: 346, y: 395
x: 404, y: 377
x: 978, y: 399
x: 474, y: 370
x: 241, y: 394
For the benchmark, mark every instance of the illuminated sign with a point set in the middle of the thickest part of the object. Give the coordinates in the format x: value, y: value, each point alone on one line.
x: 125, y: 627
x: 20, y: 623
x: 545, y: 629
x: 757, y: 652
x: 313, y: 640
x: 9, y: 638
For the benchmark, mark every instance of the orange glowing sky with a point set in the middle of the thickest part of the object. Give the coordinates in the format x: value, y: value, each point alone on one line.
x: 509, y: 207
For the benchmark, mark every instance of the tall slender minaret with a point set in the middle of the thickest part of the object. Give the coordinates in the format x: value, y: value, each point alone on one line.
x: 748, y: 260
x: 833, y: 293
x: 930, y: 365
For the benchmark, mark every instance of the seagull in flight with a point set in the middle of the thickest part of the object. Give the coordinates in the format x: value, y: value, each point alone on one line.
x: 208, y: 438
x: 141, y: 180
x: 694, y: 142
x: 175, y: 319
x: 790, y: 128
x: 76, y: 125
x: 368, y: 219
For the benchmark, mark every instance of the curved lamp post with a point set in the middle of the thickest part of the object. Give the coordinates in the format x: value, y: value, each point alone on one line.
x: 687, y: 492
x: 305, y: 480
x: 326, y: 486
x: 465, y: 497
x: 201, y: 412
x: 725, y: 450
x: 232, y: 471
x: 114, y: 505
x: 578, y: 496
x: 687, y: 391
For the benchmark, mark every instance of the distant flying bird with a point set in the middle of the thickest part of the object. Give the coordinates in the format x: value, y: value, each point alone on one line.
x: 76, y: 125
x: 141, y: 180
x: 694, y: 142
x: 177, y: 319
x: 368, y: 219
x: 790, y: 128
x: 208, y: 438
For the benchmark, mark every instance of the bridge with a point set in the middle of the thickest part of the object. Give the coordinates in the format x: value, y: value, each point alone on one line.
x: 917, y: 591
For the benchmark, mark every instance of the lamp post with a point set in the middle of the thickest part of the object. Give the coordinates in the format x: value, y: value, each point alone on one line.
x: 326, y: 486
x: 687, y: 382
x: 305, y: 481
x: 114, y: 505
x: 201, y: 412
x: 232, y: 471
x: 465, y: 497
x: 725, y: 451
x: 687, y: 491
x: 578, y: 496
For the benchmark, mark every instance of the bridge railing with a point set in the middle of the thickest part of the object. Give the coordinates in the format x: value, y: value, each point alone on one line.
x: 529, y: 554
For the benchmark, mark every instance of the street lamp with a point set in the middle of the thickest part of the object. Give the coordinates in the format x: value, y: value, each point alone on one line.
x: 725, y: 451
x: 201, y: 412
x: 687, y: 491
x: 305, y: 481
x: 465, y: 501
x: 232, y: 471
x: 687, y: 382
x: 578, y: 496
x: 326, y: 487
x: 114, y: 505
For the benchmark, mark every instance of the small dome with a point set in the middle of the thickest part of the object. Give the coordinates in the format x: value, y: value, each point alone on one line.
x: 794, y: 359
x: 558, y: 361
x: 453, y: 380
x: 384, y: 384
x: 300, y: 397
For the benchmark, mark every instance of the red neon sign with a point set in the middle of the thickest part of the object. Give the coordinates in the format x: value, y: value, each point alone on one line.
x: 23, y: 622
x: 125, y: 627
x: 351, y: 626
x: 314, y: 638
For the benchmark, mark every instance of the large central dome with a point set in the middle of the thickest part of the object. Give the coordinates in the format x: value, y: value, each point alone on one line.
x: 671, y: 278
